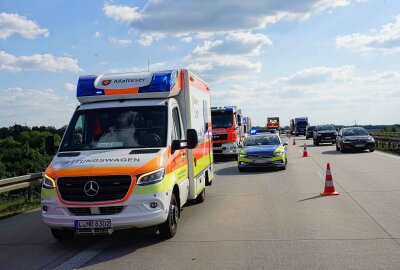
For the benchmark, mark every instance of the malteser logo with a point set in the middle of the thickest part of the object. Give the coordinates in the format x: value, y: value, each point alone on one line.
x: 106, y: 82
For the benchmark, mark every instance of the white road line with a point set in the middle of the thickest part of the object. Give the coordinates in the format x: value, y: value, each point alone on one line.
x: 88, y: 254
x: 387, y: 155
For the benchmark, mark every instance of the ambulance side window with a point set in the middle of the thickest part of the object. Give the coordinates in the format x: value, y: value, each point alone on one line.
x: 176, y: 126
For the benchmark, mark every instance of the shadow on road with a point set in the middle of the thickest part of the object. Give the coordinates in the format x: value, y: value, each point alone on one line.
x: 334, y: 152
x: 234, y: 171
x: 222, y: 159
x: 130, y: 241
x: 311, y: 198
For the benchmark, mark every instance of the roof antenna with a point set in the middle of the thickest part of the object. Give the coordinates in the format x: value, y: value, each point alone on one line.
x: 148, y: 65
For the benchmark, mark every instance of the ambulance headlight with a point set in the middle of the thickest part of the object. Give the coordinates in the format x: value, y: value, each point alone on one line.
x: 151, y: 177
x: 48, y: 182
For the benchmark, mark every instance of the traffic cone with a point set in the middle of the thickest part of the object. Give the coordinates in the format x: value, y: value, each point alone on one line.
x: 305, y: 154
x: 294, y: 141
x: 329, y: 188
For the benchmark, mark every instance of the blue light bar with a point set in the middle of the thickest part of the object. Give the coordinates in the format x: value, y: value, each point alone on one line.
x: 86, y: 87
x: 253, y: 131
x: 161, y: 82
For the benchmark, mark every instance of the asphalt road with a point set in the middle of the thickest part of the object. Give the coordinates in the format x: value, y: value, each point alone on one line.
x: 252, y: 220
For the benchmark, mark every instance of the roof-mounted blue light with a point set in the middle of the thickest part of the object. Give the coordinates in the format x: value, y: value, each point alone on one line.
x: 86, y: 87
x: 253, y: 131
x: 161, y: 82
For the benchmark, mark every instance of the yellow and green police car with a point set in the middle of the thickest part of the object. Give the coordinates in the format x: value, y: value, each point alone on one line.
x: 262, y: 150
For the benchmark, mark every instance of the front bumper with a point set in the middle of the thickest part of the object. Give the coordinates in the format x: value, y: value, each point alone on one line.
x: 358, y: 145
x: 225, y: 149
x: 277, y: 162
x: 136, y: 212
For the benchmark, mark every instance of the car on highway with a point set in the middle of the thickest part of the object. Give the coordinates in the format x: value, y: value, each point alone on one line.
x: 309, y: 131
x: 354, y: 138
x: 263, y: 150
x: 324, y: 134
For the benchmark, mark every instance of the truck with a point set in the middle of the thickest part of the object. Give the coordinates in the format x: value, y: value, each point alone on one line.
x: 273, y: 123
x: 138, y: 147
x: 298, y: 126
x: 227, y: 130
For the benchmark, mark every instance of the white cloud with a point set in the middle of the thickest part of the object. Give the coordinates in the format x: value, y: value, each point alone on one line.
x: 70, y: 86
x: 19, y: 105
x: 183, y: 16
x: 153, y: 67
x: 121, y: 42
x: 122, y: 13
x: 386, y: 40
x: 146, y: 39
x: 228, y: 58
x: 187, y: 39
x: 17, y: 24
x: 325, y: 94
x: 46, y: 62
x: 98, y: 34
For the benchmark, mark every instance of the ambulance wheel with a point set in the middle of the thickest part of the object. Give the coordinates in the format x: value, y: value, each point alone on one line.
x: 62, y: 235
x: 169, y: 227
x: 201, y: 197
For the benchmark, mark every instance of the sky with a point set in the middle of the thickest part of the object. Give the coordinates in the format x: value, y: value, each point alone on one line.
x: 334, y: 61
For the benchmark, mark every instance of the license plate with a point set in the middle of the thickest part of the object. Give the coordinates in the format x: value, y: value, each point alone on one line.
x: 261, y: 160
x: 92, y: 224
x: 328, y: 138
x: 359, y: 145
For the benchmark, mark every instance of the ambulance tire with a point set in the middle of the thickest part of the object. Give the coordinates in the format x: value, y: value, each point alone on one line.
x: 201, y: 197
x: 62, y: 235
x: 169, y: 227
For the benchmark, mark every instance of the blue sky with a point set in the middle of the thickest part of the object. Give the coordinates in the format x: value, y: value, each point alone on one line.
x: 335, y: 61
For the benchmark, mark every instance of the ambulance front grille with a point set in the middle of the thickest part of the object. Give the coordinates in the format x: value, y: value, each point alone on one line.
x: 94, y: 188
x: 106, y: 210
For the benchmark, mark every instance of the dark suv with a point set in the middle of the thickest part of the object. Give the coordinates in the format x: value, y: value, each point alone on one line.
x: 354, y: 138
x: 324, y: 134
x: 309, y: 131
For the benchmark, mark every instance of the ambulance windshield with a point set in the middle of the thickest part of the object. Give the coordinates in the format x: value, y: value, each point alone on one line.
x: 116, y: 128
x: 221, y: 119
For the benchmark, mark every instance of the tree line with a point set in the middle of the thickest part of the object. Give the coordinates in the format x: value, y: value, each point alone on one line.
x: 22, y: 149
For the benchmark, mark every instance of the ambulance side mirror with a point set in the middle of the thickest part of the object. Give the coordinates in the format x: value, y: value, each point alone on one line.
x: 192, y: 139
x: 49, y: 145
x: 177, y: 144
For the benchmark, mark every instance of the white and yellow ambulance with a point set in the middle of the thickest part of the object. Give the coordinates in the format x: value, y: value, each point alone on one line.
x: 137, y: 148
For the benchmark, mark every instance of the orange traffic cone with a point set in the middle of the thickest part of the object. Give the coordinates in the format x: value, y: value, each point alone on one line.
x: 305, y: 154
x: 329, y: 188
x: 294, y: 141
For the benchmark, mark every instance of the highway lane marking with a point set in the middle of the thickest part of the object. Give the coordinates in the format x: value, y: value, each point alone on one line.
x: 88, y: 254
x: 387, y: 155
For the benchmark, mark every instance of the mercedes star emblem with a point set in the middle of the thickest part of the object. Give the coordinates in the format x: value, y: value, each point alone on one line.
x: 91, y: 188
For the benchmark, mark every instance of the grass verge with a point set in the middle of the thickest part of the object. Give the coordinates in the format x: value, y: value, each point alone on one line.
x: 16, y: 203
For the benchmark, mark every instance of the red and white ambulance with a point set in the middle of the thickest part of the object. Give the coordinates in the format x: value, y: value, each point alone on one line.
x: 137, y: 148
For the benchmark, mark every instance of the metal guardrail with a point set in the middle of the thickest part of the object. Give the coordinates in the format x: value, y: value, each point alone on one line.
x: 19, y: 182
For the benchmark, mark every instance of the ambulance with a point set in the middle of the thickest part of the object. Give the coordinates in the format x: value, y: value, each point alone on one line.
x: 138, y: 147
